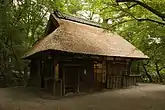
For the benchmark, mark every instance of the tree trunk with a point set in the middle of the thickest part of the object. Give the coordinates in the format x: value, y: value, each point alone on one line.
x: 158, y: 72
x: 147, y: 74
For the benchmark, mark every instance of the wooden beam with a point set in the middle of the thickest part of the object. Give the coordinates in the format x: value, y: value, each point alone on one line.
x: 74, y: 65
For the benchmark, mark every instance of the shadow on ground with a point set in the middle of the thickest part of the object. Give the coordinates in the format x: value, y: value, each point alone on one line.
x: 142, y: 97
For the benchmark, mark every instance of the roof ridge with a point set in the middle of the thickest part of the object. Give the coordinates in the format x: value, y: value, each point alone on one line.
x: 62, y: 15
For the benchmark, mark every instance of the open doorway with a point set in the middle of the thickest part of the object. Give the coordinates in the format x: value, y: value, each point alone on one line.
x: 71, y: 79
x: 75, y: 78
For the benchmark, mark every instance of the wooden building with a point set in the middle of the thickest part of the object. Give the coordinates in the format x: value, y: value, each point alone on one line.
x: 79, y: 56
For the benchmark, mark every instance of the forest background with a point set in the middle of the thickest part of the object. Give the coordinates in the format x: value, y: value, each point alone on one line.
x: 23, y: 22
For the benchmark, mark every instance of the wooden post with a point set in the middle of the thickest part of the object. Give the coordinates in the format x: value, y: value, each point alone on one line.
x: 107, y: 74
x: 40, y: 72
x: 54, y: 77
x: 63, y: 81
x: 129, y: 67
x: 92, y: 76
x: 104, y: 70
x: 78, y: 81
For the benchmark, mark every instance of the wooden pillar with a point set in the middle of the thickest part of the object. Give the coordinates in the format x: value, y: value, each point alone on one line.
x: 128, y: 73
x: 63, y: 81
x: 92, y: 84
x: 107, y: 74
x: 104, y: 78
x: 78, y: 81
x: 93, y: 76
x: 54, y: 77
x: 129, y: 67
x: 89, y: 66
x: 39, y: 73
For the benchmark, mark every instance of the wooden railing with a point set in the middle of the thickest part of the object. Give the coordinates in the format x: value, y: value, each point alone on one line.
x: 120, y: 82
x: 130, y: 80
x: 114, y: 82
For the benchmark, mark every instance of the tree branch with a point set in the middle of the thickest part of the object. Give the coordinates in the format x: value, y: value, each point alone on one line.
x: 132, y: 5
x: 162, y: 16
x: 147, y: 19
x: 37, y: 25
x: 161, y: 68
x: 145, y: 64
x: 142, y: 19
x: 121, y: 22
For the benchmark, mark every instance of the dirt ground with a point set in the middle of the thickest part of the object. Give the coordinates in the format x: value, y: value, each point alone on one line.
x: 142, y: 97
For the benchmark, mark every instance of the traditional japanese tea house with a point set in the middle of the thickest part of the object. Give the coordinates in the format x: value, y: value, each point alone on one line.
x: 77, y: 55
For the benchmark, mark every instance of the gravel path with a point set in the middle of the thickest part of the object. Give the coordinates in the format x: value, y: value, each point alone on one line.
x: 142, y: 97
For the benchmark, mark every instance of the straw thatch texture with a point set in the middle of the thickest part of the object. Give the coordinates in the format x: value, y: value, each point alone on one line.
x: 76, y: 37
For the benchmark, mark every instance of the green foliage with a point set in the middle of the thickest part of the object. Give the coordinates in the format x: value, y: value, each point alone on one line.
x: 23, y: 22
x: 146, y: 35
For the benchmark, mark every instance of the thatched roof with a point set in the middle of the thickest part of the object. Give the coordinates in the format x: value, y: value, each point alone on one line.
x: 82, y: 37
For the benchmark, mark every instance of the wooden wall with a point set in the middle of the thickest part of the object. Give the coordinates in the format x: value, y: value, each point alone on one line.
x: 94, y: 73
x: 119, y: 74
